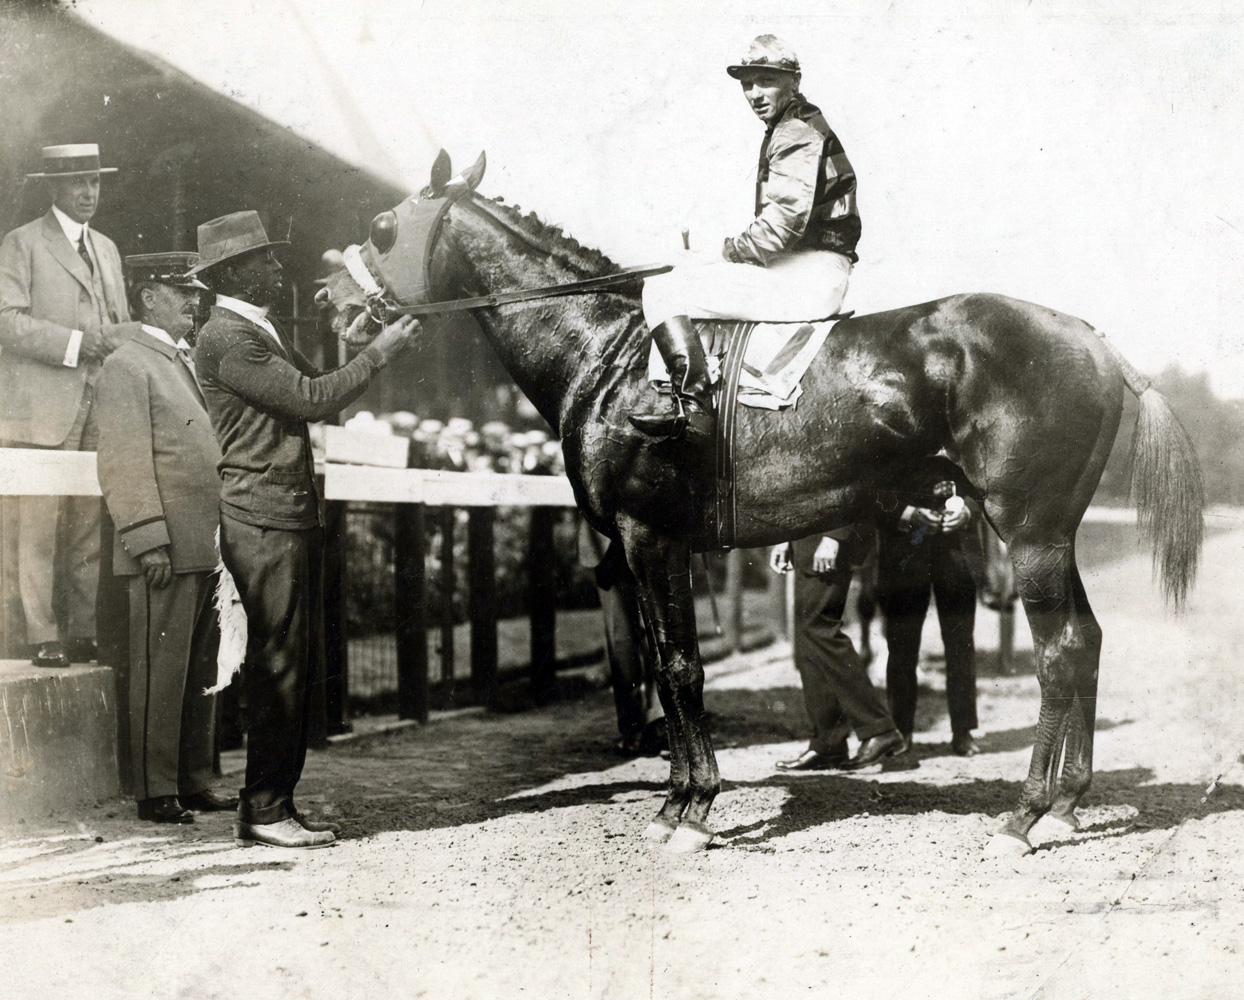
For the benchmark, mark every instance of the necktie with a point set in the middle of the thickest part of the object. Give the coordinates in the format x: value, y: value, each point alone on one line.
x: 187, y: 359
x: 84, y: 253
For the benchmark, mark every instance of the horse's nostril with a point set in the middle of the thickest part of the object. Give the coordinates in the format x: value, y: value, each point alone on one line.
x: 383, y: 233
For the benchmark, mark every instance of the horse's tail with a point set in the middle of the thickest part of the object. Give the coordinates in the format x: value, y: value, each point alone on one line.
x: 1167, y: 486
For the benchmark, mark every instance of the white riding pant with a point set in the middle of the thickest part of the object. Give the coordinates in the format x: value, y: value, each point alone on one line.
x: 805, y: 285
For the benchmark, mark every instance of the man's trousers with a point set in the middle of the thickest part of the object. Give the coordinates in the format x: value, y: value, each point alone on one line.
x: 837, y: 693
x: 173, y: 641
x: 905, y: 574
x: 38, y: 520
x: 278, y: 575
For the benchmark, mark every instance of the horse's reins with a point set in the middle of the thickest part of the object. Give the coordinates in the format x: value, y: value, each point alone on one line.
x: 381, y: 309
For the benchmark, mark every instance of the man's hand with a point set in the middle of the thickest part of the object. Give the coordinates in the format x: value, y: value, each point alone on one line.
x: 394, y: 337
x: 92, y: 347
x: 826, y: 555
x: 779, y: 558
x: 926, y: 518
x: 957, y: 517
x: 158, y: 567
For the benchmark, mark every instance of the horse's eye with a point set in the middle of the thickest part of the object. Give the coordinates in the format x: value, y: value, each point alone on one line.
x: 383, y: 231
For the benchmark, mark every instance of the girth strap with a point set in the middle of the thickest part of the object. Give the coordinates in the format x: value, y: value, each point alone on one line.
x: 737, y: 336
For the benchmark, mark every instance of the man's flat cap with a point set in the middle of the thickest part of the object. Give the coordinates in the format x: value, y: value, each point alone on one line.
x: 766, y: 52
x: 164, y: 268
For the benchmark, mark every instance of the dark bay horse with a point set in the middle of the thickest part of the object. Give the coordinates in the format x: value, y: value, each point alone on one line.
x: 1027, y: 401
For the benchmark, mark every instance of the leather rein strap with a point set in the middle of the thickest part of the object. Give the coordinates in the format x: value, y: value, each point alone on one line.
x: 623, y: 277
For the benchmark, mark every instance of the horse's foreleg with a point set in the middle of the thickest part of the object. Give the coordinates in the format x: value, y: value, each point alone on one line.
x: 662, y: 569
x: 1064, y: 646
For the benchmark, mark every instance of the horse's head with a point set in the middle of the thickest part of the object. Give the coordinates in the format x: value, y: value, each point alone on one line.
x: 392, y: 268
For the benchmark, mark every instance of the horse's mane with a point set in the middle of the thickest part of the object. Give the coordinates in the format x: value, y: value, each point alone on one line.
x: 546, y: 237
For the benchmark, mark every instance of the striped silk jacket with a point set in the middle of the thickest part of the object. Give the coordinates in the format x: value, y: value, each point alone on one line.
x: 805, y: 192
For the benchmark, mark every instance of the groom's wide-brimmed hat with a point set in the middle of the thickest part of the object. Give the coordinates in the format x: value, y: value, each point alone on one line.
x: 72, y: 160
x: 231, y: 236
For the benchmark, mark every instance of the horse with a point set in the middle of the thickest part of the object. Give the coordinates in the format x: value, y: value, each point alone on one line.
x: 1026, y: 400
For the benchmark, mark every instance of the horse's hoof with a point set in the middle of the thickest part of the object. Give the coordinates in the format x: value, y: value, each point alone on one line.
x: 1056, y: 827
x: 659, y: 831
x: 689, y: 838
x: 1007, y: 845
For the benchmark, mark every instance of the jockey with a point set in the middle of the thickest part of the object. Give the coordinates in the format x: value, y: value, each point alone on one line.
x: 791, y: 263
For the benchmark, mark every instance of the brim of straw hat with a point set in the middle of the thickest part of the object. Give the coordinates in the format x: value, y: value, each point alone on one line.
x: 75, y: 173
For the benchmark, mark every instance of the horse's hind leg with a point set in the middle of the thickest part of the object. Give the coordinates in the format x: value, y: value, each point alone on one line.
x: 1067, y: 643
x: 1077, y: 772
x: 662, y: 568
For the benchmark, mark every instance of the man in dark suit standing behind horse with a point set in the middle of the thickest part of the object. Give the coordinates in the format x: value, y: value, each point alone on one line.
x: 261, y: 392
x: 62, y: 311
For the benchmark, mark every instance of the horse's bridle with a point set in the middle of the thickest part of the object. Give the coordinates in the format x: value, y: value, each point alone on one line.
x: 409, y: 233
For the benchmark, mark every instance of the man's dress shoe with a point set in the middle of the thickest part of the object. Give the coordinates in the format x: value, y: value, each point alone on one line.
x: 878, y: 748
x: 50, y: 654
x: 164, y: 809
x: 210, y: 800
x: 284, y: 833
x: 963, y: 744
x: 315, y: 825
x: 814, y: 760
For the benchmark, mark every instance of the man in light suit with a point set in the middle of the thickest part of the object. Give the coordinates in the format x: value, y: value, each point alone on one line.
x: 62, y: 311
x: 157, y: 469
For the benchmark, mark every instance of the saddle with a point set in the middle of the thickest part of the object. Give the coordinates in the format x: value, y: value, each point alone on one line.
x: 727, y: 341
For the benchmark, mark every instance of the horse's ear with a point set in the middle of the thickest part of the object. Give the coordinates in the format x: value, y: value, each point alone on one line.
x: 476, y: 172
x: 468, y: 180
x: 441, y: 172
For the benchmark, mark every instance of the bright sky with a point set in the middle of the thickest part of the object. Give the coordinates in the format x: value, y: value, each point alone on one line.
x: 1085, y: 155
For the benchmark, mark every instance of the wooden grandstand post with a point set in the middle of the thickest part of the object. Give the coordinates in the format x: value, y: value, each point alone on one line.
x: 482, y: 603
x: 411, y: 600
x: 336, y: 643
x: 448, y: 518
x: 541, y: 600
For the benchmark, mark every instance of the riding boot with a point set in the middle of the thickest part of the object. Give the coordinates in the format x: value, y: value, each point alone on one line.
x: 691, y: 412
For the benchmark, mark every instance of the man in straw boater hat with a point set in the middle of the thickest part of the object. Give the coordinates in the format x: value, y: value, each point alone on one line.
x: 157, y: 469
x: 261, y: 392
x: 62, y: 311
x: 791, y: 263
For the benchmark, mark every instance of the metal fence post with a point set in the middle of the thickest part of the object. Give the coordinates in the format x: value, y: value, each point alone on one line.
x: 541, y: 601
x: 336, y: 641
x: 411, y: 599
x: 482, y: 603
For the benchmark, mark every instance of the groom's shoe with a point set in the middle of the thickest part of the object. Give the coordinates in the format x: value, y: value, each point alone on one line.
x: 284, y: 833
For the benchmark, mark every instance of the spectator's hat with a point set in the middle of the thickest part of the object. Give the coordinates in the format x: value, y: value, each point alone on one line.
x: 71, y: 160
x: 170, y: 268
x: 231, y: 236
x: 766, y: 52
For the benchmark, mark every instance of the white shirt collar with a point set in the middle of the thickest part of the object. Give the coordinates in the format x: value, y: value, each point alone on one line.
x: 162, y: 335
x: 248, y: 310
x: 72, y: 228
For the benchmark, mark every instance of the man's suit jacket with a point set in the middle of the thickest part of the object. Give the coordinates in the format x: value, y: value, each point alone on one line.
x: 157, y: 457
x: 46, y: 293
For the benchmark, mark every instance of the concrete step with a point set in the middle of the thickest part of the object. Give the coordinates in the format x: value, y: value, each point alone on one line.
x: 58, y: 744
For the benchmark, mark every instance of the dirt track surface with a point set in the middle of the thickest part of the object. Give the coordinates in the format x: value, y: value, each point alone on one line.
x: 499, y: 856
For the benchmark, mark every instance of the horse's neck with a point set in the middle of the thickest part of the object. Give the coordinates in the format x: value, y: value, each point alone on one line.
x: 557, y: 349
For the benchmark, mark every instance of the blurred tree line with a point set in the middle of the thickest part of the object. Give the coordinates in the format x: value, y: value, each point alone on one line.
x: 1215, y: 425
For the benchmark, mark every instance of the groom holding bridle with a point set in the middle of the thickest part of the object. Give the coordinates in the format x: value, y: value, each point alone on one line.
x: 791, y: 263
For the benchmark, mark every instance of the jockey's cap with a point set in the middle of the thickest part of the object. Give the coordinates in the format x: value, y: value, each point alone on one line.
x: 766, y: 52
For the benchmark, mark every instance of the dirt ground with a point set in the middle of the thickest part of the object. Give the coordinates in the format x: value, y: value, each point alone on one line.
x: 499, y: 855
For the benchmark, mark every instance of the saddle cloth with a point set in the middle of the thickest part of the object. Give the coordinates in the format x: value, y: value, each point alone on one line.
x: 776, y: 358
